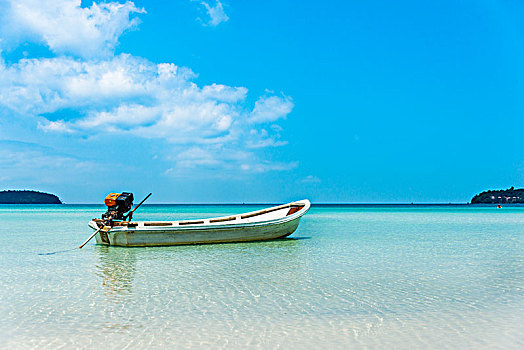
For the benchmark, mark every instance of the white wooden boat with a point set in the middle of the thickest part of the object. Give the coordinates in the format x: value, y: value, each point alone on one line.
x: 270, y: 223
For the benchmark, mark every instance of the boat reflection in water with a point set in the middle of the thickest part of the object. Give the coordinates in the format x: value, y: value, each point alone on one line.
x: 116, y: 268
x: 177, y: 287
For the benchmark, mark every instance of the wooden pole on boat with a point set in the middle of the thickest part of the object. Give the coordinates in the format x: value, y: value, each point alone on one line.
x: 93, y: 235
x: 130, y: 214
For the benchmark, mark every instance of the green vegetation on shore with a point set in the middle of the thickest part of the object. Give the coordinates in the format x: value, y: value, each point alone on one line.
x: 511, y: 195
x: 28, y: 197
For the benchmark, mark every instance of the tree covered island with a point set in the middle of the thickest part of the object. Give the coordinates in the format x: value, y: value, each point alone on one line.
x: 509, y: 196
x: 28, y: 197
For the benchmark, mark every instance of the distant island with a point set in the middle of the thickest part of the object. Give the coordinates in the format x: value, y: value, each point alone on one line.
x: 28, y: 197
x: 509, y: 196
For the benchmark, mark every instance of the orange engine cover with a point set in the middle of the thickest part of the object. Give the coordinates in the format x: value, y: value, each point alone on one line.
x: 111, y: 199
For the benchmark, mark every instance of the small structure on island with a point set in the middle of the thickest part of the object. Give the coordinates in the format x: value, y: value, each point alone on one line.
x: 509, y: 196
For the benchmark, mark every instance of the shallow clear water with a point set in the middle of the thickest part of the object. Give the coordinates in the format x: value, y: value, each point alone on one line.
x: 379, y: 277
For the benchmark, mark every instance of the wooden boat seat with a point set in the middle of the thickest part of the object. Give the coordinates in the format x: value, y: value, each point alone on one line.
x: 191, y: 222
x: 231, y: 218
x: 152, y: 223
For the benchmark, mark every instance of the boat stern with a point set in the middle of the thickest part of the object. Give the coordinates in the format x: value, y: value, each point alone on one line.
x: 100, y: 237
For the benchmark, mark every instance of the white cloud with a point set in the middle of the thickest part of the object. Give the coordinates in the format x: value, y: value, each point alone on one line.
x: 133, y: 95
x: 262, y: 138
x: 34, y: 86
x: 264, y: 166
x: 223, y: 161
x: 19, y: 161
x: 216, y: 13
x: 310, y: 179
x: 58, y: 126
x: 124, y: 93
x: 66, y: 27
x: 270, y: 109
x: 97, y: 92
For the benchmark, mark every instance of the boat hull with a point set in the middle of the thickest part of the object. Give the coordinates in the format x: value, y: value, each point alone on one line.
x: 198, y: 236
x: 272, y: 223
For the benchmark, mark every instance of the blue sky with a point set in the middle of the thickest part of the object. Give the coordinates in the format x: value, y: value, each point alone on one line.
x: 240, y: 101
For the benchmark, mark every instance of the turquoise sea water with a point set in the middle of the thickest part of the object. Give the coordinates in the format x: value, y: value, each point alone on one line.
x: 350, y: 277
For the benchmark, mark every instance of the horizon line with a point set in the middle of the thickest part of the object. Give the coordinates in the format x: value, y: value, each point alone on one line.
x: 312, y: 203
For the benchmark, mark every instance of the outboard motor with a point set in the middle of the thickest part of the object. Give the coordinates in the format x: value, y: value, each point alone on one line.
x: 118, y: 204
